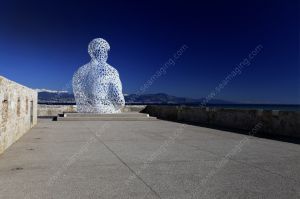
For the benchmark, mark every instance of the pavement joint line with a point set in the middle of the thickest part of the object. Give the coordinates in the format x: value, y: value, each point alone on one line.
x: 245, y: 163
x: 125, y: 164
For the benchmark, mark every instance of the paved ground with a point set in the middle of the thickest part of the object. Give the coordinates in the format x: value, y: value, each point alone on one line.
x: 146, y: 159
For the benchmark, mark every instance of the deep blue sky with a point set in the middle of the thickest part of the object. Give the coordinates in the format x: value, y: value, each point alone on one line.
x: 42, y: 43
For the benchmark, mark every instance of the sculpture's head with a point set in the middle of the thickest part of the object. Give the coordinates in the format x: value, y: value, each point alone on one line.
x: 98, y: 49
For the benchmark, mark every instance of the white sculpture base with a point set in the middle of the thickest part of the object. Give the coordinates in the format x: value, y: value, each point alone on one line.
x: 130, y: 116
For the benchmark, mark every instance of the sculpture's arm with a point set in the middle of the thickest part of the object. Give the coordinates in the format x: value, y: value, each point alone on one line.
x: 78, y: 91
x: 117, y: 94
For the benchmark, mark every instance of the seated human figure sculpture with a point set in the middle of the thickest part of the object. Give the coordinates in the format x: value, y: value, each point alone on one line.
x: 96, y: 85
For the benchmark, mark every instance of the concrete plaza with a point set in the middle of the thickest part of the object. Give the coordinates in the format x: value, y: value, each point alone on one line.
x: 146, y: 159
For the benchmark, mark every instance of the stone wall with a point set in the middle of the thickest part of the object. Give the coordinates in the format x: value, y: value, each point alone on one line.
x: 54, y: 110
x: 18, y: 111
x: 284, y: 123
x: 133, y: 108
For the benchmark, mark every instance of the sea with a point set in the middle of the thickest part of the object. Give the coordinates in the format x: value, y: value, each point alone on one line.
x: 281, y: 107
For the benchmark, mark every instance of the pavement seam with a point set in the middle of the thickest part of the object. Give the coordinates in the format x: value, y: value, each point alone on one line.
x: 125, y: 164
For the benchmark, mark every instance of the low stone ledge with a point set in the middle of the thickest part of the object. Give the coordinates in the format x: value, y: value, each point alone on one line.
x: 54, y: 110
x: 274, y: 122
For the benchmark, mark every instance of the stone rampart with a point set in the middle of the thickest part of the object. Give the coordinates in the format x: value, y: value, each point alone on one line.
x: 273, y: 122
x: 18, y: 111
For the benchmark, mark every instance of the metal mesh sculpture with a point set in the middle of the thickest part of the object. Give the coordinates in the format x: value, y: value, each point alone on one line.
x: 96, y: 85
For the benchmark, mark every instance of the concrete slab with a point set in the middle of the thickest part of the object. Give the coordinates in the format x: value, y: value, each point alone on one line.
x: 146, y: 159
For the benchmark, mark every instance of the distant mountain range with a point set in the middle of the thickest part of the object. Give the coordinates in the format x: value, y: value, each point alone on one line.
x: 162, y: 98
x: 55, y: 97
x: 59, y: 97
